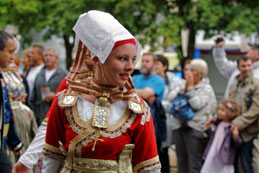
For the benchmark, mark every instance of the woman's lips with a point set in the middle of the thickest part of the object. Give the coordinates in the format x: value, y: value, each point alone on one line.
x: 124, y: 76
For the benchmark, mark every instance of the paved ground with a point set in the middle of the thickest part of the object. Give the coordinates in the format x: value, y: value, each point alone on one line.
x: 173, y: 159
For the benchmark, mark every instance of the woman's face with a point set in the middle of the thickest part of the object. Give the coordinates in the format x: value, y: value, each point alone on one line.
x: 187, y: 71
x: 222, y: 113
x: 159, y: 67
x: 195, y: 74
x: 25, y: 60
x: 120, y: 64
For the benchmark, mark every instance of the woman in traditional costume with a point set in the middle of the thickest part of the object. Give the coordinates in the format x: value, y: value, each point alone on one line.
x: 100, y: 124
x: 24, y: 118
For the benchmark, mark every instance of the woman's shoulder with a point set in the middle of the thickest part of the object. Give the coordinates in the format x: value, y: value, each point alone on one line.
x: 138, y: 106
x: 67, y: 98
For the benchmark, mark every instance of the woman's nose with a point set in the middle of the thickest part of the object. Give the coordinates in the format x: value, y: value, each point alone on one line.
x: 130, y: 65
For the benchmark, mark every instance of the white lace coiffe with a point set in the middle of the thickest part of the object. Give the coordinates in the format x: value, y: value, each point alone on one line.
x: 99, y: 31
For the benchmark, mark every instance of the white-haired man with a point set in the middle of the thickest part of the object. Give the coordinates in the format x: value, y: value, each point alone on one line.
x: 46, y: 84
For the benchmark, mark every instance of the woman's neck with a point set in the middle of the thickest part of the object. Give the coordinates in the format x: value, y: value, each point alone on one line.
x: 89, y: 98
x: 99, y: 76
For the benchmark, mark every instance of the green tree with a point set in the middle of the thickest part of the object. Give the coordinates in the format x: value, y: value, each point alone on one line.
x: 213, y: 16
x: 59, y: 16
x: 157, y: 23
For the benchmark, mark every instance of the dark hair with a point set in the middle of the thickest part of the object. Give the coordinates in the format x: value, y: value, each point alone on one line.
x: 163, y: 60
x: 4, y: 36
x: 185, y: 62
x: 244, y: 58
x: 40, y: 48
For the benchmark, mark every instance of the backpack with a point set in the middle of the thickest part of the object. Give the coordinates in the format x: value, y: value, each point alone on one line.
x: 181, y: 108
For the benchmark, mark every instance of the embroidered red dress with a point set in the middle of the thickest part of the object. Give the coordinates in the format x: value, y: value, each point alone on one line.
x: 79, y: 137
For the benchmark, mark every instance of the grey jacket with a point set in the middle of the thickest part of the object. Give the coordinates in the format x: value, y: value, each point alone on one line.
x: 39, y: 106
x: 203, y: 101
x: 247, y: 122
x: 228, y: 68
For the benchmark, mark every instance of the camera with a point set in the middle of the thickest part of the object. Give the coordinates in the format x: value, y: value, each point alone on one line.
x: 219, y: 39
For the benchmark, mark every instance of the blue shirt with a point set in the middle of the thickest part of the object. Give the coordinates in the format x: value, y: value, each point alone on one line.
x: 155, y: 82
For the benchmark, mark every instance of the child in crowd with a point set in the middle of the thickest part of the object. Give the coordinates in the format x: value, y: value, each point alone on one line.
x: 224, y: 139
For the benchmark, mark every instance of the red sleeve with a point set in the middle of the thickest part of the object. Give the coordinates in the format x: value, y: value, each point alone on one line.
x: 55, y: 131
x: 145, y: 155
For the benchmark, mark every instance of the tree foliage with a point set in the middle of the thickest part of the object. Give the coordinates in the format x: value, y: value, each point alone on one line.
x: 157, y: 23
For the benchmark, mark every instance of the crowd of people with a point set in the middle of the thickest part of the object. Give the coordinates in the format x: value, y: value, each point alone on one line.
x: 98, y: 117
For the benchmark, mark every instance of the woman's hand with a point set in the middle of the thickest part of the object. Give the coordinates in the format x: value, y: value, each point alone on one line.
x: 20, y: 168
x: 189, y: 80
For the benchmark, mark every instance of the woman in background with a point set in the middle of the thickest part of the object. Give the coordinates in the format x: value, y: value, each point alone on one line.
x: 172, y: 84
x: 24, y: 118
x: 26, y: 62
x: 188, y: 135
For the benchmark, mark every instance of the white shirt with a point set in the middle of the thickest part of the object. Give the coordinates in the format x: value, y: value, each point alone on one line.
x: 32, y: 76
x: 48, y: 74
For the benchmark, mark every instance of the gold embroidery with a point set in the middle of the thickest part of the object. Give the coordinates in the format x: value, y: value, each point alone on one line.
x: 71, y: 149
x: 69, y: 99
x: 125, y: 159
x: 95, y: 165
x: 151, y: 164
x: 135, y: 106
x: 74, y: 118
x: 52, y: 148
x: 96, y: 138
x: 146, y: 114
x: 78, y: 125
x: 115, y: 131
x: 53, y: 152
x: 101, y: 113
x: 6, y: 129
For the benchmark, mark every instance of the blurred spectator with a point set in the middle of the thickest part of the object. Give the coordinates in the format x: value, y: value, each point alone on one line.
x: 171, y: 83
x: 150, y: 86
x: 26, y: 62
x: 8, y: 133
x: 227, y: 67
x: 256, y: 153
x: 46, y: 84
x: 245, y: 91
x: 24, y: 118
x: 36, y: 57
x: 220, y: 152
x: 188, y: 135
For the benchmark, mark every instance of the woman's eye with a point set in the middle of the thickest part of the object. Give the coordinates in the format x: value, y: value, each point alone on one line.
x: 122, y: 58
x: 133, y: 60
